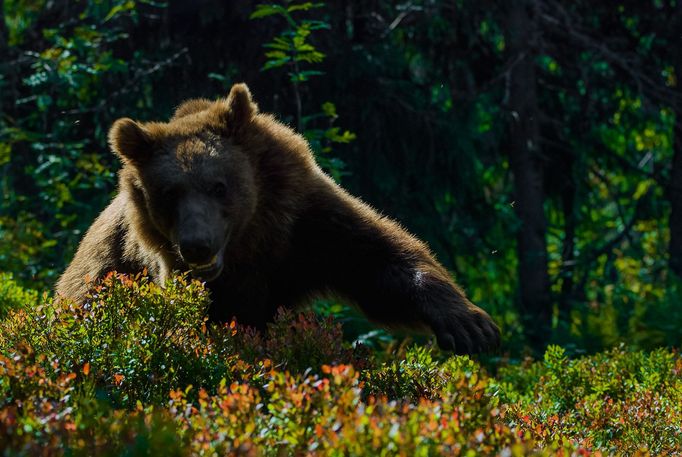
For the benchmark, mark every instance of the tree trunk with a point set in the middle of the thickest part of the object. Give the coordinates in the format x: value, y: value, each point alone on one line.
x: 675, y: 223
x: 4, y: 53
x: 568, y: 254
x: 527, y: 166
x: 3, y: 29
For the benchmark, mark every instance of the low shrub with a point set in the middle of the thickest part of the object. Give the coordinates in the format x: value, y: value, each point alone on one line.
x: 617, y: 401
x: 137, y: 369
x: 13, y: 296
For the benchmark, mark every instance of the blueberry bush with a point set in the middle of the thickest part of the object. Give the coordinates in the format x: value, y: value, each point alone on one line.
x: 138, y: 370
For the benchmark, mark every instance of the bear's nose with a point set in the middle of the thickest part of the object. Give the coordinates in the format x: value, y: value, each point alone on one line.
x: 196, y: 251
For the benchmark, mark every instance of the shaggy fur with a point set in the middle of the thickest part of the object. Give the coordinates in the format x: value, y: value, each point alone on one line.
x: 228, y: 187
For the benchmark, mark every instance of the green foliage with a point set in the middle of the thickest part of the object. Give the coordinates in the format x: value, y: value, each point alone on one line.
x: 141, y: 336
x: 616, y: 401
x: 145, y: 339
x: 305, y: 341
x: 13, y: 296
x: 291, y: 49
x: 63, y: 100
x: 134, y: 370
x: 417, y: 375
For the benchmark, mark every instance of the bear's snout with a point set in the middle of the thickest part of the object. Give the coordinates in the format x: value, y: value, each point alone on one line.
x: 202, y: 259
x: 196, y: 251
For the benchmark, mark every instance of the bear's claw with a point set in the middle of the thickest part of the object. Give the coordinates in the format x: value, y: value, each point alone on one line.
x: 470, y: 332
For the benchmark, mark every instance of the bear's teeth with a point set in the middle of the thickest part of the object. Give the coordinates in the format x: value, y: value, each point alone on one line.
x: 211, y: 264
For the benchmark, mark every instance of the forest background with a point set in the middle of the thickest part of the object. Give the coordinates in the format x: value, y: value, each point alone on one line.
x: 536, y: 145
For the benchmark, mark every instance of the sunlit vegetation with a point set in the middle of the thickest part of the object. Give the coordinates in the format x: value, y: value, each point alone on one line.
x: 535, y: 145
x: 137, y: 369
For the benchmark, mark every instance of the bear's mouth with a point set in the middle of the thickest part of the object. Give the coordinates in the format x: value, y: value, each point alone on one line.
x: 208, y: 271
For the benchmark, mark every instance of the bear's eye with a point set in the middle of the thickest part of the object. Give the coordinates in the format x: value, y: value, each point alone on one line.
x: 218, y: 190
x: 169, y: 193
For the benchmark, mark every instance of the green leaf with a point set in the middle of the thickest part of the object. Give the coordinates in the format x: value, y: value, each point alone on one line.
x: 270, y: 64
x: 43, y: 102
x: 304, y: 6
x: 333, y: 135
x: 267, y: 10
x: 329, y: 109
x: 279, y: 43
x: 5, y: 153
x: 48, y: 244
x: 302, y: 76
x: 642, y: 188
x: 217, y: 77
x: 311, y: 57
x: 315, y: 25
x: 118, y: 9
x: 301, y: 47
x: 276, y: 54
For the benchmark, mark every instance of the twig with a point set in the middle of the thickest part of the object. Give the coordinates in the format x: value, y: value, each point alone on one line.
x: 566, y: 24
x: 132, y: 82
x: 153, y: 69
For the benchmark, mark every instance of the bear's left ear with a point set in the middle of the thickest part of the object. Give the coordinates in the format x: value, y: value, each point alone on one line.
x: 131, y: 141
x: 239, y: 108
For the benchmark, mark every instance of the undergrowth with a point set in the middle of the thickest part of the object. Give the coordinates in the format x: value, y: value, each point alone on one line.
x: 137, y: 370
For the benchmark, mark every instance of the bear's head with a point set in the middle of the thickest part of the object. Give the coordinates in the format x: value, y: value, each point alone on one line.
x: 191, y: 181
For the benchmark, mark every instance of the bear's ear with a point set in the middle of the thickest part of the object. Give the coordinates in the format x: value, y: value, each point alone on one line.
x: 239, y: 107
x: 131, y: 141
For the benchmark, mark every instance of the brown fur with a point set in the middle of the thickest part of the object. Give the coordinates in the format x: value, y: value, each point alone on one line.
x: 288, y: 232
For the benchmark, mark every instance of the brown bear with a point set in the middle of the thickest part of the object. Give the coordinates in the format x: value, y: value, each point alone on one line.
x: 237, y: 199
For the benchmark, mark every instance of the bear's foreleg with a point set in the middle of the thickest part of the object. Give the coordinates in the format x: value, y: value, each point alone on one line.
x: 345, y: 247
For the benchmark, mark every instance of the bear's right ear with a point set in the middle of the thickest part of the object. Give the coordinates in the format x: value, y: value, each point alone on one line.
x: 238, y: 109
x: 131, y: 141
